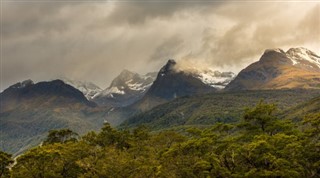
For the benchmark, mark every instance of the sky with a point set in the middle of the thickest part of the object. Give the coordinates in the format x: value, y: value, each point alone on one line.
x: 95, y: 40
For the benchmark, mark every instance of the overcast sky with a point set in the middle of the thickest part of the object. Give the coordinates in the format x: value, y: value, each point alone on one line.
x: 96, y: 40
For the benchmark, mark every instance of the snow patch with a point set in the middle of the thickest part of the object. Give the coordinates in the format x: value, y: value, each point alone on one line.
x: 128, y: 85
x: 88, y: 89
x: 298, y: 55
x: 115, y: 90
x: 215, y: 79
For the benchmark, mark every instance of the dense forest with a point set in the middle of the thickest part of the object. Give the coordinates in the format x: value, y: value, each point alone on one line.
x: 259, y: 145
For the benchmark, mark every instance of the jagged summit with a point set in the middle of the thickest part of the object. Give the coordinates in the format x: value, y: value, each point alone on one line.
x: 122, y: 78
x: 171, y: 83
x: 125, y: 89
x: 168, y: 67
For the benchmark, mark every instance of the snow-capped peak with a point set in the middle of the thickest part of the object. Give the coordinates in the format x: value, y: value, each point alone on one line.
x: 300, y: 55
x: 278, y: 50
x: 128, y: 83
x: 214, y: 79
x: 208, y: 76
x: 88, y: 89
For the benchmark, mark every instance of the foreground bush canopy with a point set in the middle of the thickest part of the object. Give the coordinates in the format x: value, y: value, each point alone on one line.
x: 260, y: 145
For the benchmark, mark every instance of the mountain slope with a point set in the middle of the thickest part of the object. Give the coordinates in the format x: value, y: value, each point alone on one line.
x: 125, y: 89
x: 29, y: 111
x: 215, y: 107
x: 276, y: 69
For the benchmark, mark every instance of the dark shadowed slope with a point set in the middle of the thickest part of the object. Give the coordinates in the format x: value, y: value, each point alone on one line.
x: 29, y: 111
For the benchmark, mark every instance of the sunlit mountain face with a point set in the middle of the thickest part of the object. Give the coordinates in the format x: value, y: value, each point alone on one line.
x: 276, y: 69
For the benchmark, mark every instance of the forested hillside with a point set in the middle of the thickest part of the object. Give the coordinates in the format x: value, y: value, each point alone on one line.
x: 260, y: 145
x: 227, y: 107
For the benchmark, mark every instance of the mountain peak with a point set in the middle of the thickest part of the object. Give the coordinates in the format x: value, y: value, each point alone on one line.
x: 168, y: 67
x: 126, y: 72
x: 171, y: 61
x: 171, y: 83
x: 297, y: 50
x: 89, y: 89
x: 58, y: 82
x: 124, y: 76
x: 276, y: 69
x: 274, y: 50
x: 125, y: 89
x: 274, y: 56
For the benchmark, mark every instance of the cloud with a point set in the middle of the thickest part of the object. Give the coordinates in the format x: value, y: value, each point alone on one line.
x: 95, y: 41
x: 256, y: 27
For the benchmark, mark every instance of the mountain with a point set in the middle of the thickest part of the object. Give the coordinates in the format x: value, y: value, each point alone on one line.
x: 173, y: 82
x: 125, y: 89
x: 276, y: 69
x: 89, y: 89
x: 29, y: 111
x: 208, y: 109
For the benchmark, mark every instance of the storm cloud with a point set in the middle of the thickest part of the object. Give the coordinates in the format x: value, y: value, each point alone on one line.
x: 94, y: 41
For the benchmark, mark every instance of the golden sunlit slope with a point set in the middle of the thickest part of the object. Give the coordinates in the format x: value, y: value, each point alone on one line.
x: 276, y: 69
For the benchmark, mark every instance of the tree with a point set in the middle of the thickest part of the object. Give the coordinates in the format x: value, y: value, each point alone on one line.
x: 5, y: 162
x: 260, y: 116
x: 312, y: 144
x: 262, y: 119
x: 61, y: 136
x: 52, y: 160
x: 110, y: 136
x: 312, y: 121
